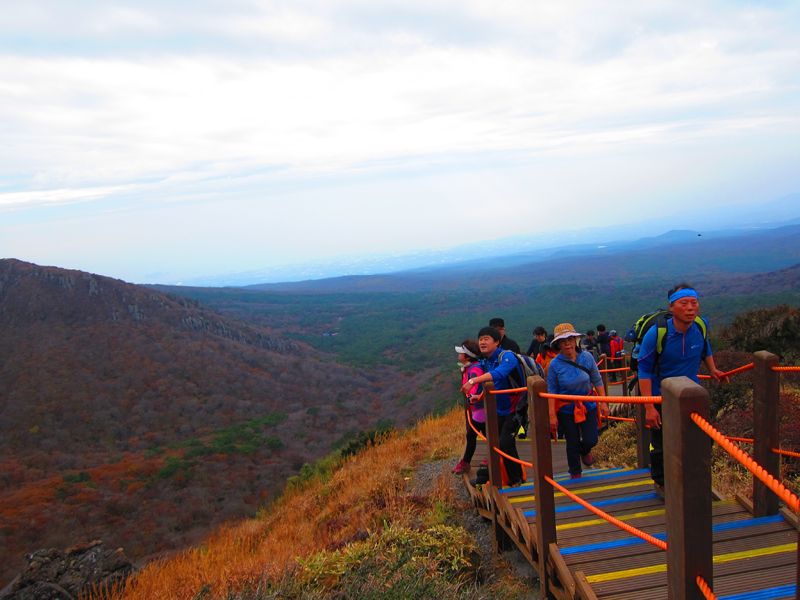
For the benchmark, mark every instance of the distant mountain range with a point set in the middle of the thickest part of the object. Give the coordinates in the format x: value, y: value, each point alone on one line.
x: 677, y: 254
x: 535, y: 246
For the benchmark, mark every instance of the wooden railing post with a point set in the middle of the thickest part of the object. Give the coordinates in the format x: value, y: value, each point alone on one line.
x: 604, y: 365
x: 642, y: 437
x: 766, y: 430
x: 687, y: 478
x: 500, y: 540
x: 542, y: 454
x: 624, y: 363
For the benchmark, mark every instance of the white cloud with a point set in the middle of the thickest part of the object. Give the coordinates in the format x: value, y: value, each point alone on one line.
x: 137, y: 104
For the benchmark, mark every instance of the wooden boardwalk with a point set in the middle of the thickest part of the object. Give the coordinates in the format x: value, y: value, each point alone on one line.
x: 593, y: 559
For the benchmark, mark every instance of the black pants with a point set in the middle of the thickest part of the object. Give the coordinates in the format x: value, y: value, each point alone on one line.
x: 472, y: 438
x: 657, y: 451
x: 581, y: 437
x: 507, y: 426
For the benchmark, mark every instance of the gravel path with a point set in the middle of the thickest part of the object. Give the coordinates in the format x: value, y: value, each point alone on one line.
x: 493, y: 566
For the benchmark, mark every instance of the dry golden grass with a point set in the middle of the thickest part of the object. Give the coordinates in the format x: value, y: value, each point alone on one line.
x: 363, y: 493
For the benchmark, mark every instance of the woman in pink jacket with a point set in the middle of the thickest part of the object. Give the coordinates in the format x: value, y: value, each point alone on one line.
x: 469, y: 356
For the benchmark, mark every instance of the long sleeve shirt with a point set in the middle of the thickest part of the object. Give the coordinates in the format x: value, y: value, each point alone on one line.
x: 564, y: 378
x: 499, y: 370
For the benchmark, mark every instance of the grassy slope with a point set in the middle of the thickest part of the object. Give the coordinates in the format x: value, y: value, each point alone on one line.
x: 330, y: 523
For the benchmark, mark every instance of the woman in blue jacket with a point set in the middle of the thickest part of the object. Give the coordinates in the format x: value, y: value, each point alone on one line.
x: 574, y: 373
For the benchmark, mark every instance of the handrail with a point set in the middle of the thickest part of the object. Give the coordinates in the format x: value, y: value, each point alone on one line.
x: 740, y: 455
x: 614, y: 399
x: 701, y: 583
x: 612, y: 370
x: 786, y: 368
x: 480, y: 435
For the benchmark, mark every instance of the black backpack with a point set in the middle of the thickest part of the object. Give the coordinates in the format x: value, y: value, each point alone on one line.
x: 526, y: 367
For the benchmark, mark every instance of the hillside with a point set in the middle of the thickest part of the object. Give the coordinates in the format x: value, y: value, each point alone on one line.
x: 146, y: 419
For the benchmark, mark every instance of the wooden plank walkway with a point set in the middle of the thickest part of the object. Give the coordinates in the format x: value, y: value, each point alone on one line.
x: 753, y: 558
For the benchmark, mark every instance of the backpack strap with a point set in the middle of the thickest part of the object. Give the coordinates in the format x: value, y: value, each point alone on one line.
x: 574, y: 364
x: 520, y: 372
x: 661, y: 340
x: 702, y: 325
x: 470, y: 371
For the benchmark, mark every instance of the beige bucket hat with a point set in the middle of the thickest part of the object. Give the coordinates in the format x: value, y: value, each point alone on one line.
x: 565, y: 330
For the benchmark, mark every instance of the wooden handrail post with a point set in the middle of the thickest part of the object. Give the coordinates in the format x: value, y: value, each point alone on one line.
x: 642, y: 438
x: 500, y: 541
x: 624, y: 362
x: 687, y: 478
x: 542, y: 454
x: 766, y: 429
x: 604, y: 363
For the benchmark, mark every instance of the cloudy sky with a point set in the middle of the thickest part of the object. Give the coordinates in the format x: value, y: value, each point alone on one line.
x: 160, y: 141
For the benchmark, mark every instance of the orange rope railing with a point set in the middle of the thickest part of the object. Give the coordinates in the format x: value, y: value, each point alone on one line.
x: 743, y: 440
x: 516, y: 460
x: 612, y: 370
x: 786, y: 452
x: 614, y: 399
x: 632, y: 530
x: 743, y: 369
x: 701, y: 583
x: 757, y: 470
x: 480, y: 435
x: 623, y: 419
x: 786, y: 368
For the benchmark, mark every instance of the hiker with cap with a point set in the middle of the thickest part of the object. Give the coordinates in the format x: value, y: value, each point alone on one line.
x: 574, y: 373
x: 603, y: 344
x: 506, y: 343
x: 617, y: 347
x: 469, y: 357
x: 589, y: 344
x: 497, y: 366
x: 674, y: 347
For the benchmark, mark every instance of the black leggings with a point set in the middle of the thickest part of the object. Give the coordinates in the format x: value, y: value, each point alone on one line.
x: 472, y: 438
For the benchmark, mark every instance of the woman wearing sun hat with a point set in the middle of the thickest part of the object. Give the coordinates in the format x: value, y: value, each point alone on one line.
x: 469, y: 356
x: 574, y: 373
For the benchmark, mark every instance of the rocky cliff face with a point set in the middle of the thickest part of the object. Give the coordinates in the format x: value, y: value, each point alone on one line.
x: 65, y: 575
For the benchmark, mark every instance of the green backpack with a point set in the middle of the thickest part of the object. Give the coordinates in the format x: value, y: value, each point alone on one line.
x: 659, y: 319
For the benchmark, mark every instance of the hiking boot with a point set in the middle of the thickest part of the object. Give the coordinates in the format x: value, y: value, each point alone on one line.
x: 461, y: 467
x: 516, y: 484
x: 659, y: 491
x: 587, y: 459
x: 574, y: 475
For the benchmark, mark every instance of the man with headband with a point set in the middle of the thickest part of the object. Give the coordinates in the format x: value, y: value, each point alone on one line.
x: 683, y: 346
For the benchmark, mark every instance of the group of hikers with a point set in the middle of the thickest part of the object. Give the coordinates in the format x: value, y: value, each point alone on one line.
x: 667, y: 344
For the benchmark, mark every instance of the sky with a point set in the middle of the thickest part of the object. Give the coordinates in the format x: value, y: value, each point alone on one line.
x: 164, y: 141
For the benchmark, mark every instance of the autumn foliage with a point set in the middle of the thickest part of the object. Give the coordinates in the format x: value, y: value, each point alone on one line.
x: 145, y: 419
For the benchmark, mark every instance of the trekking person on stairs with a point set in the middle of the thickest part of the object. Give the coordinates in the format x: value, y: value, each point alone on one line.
x: 574, y: 373
x: 506, y: 343
x: 684, y: 345
x: 469, y: 357
x: 497, y: 366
